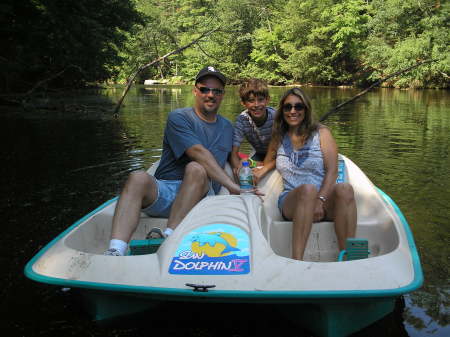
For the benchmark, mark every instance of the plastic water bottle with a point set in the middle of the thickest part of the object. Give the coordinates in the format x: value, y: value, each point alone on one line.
x: 246, y: 178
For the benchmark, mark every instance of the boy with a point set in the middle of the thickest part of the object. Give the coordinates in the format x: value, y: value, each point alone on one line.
x: 254, y: 123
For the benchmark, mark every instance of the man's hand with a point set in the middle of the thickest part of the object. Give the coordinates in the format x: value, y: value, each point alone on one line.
x: 234, y: 189
x: 236, y: 172
x: 257, y: 192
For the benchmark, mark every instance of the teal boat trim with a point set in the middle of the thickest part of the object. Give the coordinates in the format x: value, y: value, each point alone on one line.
x: 234, y: 294
x: 418, y: 273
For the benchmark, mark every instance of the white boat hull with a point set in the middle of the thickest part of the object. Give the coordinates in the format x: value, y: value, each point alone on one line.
x: 241, y: 246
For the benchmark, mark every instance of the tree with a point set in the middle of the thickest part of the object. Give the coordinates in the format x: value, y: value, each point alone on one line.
x: 322, y: 40
x: 404, y: 32
x: 47, y: 36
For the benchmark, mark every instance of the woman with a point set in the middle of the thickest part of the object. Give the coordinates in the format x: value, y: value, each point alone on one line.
x: 305, y: 153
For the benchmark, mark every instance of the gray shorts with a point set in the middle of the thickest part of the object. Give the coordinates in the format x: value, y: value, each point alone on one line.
x: 167, y: 192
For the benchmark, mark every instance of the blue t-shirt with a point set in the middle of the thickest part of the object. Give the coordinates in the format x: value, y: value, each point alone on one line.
x: 185, y: 129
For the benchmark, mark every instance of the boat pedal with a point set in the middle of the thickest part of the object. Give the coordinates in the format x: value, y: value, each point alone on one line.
x: 142, y: 247
x: 355, y: 249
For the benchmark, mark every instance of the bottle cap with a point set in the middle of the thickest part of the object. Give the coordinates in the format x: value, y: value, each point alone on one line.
x: 245, y: 163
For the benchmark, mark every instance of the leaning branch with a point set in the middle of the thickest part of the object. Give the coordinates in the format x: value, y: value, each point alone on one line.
x: 324, y: 117
x: 41, y: 83
x: 159, y: 59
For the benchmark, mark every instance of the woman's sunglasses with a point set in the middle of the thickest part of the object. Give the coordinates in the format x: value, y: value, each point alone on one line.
x: 298, y: 107
x: 215, y: 91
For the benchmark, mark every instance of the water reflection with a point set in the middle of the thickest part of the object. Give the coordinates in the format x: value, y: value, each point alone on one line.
x: 59, y: 167
x: 400, y: 139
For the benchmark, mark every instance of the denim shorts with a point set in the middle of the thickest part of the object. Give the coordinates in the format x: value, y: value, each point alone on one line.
x: 167, y: 192
x: 281, y: 198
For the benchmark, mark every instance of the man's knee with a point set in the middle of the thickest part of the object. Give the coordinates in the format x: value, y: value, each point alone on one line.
x: 196, y: 171
x: 140, y: 182
x: 196, y: 174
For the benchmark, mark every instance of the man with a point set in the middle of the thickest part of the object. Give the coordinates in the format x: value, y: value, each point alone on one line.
x: 197, y: 143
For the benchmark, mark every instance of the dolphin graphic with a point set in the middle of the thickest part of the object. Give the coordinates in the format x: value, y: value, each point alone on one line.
x: 212, y: 240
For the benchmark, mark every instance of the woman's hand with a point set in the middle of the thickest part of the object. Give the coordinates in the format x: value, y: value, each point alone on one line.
x: 319, y: 211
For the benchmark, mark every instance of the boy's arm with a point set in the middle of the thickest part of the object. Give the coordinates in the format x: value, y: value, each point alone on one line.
x: 238, y: 137
x: 269, y: 162
x: 235, y: 161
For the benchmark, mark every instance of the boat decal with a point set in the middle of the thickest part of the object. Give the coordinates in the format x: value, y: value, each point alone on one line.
x: 216, y: 249
x: 341, y: 178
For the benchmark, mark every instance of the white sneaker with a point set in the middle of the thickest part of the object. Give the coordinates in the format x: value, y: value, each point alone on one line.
x: 112, y: 252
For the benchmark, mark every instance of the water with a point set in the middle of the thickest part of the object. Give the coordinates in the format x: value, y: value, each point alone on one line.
x: 57, y: 166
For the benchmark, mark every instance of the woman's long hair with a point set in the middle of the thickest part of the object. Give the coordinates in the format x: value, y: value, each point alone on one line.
x: 280, y: 127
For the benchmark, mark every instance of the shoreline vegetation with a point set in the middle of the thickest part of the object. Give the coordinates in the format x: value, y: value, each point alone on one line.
x: 27, y: 100
x: 334, y: 43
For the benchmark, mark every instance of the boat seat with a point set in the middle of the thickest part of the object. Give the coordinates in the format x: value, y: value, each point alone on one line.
x: 321, y: 246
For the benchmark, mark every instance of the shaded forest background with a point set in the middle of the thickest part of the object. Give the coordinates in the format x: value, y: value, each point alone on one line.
x: 327, y: 42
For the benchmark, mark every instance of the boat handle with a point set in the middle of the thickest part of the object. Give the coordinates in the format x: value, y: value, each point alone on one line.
x: 201, y: 287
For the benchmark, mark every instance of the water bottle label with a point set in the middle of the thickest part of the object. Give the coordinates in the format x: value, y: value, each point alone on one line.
x: 246, y: 182
x: 246, y: 179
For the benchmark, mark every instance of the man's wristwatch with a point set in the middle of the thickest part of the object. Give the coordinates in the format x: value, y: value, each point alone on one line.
x: 322, y: 198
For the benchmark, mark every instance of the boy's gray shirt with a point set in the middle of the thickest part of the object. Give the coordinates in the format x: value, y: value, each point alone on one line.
x: 258, y: 137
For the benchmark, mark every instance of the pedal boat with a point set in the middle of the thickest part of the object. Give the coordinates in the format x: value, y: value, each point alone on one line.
x: 236, y: 249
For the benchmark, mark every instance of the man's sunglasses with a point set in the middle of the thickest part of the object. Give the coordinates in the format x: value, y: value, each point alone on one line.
x: 298, y: 107
x: 215, y: 91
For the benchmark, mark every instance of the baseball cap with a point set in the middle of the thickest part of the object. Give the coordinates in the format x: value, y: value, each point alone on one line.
x: 211, y: 71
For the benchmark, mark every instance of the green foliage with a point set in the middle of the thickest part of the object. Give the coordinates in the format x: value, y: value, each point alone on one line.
x: 323, y: 46
x: 329, y: 42
x: 405, y: 32
x: 265, y: 58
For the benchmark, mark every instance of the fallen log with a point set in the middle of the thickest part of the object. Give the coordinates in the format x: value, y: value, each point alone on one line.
x: 365, y: 91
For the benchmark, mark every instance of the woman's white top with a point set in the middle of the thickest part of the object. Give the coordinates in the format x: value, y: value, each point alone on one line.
x: 304, y: 166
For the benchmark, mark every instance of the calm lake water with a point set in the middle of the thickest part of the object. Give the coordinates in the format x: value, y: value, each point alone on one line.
x: 58, y: 166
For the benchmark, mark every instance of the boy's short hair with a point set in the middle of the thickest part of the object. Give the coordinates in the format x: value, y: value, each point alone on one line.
x: 253, y: 86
